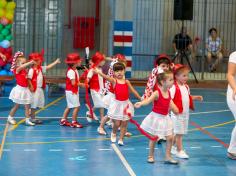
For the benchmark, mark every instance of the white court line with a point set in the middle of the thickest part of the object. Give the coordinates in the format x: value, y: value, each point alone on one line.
x: 103, y: 149
x: 195, y: 147
x: 216, y: 146
x: 129, y: 149
x: 30, y: 150
x: 149, y: 148
x: 55, y: 150
x: 123, y: 160
x: 6, y: 150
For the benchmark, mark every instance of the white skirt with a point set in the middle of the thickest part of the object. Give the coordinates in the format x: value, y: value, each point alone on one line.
x: 97, y: 99
x: 72, y: 99
x: 20, y: 95
x: 180, y: 123
x: 107, y: 99
x: 157, y: 124
x: 117, y: 108
x: 38, y: 100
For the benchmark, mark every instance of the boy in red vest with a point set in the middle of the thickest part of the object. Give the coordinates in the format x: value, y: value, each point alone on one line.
x: 73, y: 60
x: 37, y: 83
x: 180, y: 94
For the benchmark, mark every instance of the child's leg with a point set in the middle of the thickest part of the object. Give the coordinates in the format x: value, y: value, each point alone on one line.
x: 32, y: 113
x: 117, y: 124
x: 13, y: 110
x: 64, y: 121
x: 169, y: 143
x: 101, y: 129
x: 27, y: 115
x: 123, y: 129
x: 75, y: 114
x: 101, y: 111
x: 66, y: 113
x: 179, y: 142
x: 151, y: 151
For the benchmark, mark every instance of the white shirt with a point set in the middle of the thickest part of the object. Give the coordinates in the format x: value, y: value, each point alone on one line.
x: 71, y: 74
x: 39, y: 77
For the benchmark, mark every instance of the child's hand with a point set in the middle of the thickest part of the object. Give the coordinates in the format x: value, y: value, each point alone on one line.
x: 58, y: 60
x: 32, y: 62
x: 96, y: 70
x: 31, y: 88
x: 198, y: 97
x: 137, y: 105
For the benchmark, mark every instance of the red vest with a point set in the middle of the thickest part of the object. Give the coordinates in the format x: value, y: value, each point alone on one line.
x: 161, y: 106
x: 69, y: 86
x: 21, y: 78
x: 94, y: 83
x: 178, y: 99
x: 121, y: 91
x: 36, y: 71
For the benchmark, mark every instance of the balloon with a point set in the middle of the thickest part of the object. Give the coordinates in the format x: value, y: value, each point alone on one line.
x: 9, y: 26
x: 5, y: 32
x: 9, y: 37
x: 1, y: 37
x: 5, y: 43
x: 4, y: 21
x: 11, y: 5
x: 1, y: 27
x: 3, y: 72
x: 9, y: 16
x: 3, y: 3
x: 7, y: 67
x: 2, y: 13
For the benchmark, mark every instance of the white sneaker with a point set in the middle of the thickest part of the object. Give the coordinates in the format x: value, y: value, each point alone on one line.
x: 173, y: 150
x: 182, y: 154
x: 11, y: 120
x: 113, y: 138
x: 109, y: 123
x: 28, y: 122
x: 120, y: 143
x: 89, y: 119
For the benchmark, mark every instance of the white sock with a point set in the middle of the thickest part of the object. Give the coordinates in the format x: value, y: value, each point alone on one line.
x: 10, y: 117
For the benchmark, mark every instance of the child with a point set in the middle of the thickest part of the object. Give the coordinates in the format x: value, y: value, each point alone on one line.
x: 121, y: 101
x: 163, y: 61
x: 158, y: 121
x: 73, y: 60
x: 37, y: 83
x: 180, y: 94
x: 20, y: 94
x: 109, y: 91
x: 96, y: 85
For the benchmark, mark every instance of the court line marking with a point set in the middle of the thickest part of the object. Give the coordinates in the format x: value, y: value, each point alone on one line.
x: 209, y: 134
x: 123, y: 160
x: 3, y: 139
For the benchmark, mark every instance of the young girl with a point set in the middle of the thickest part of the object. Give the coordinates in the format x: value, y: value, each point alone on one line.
x: 180, y: 94
x: 72, y: 93
x: 20, y: 94
x: 96, y: 85
x: 121, y: 101
x: 109, y: 91
x: 158, y: 121
x: 163, y: 61
x: 37, y: 83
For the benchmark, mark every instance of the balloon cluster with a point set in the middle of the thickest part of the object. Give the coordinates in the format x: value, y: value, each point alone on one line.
x: 7, y: 8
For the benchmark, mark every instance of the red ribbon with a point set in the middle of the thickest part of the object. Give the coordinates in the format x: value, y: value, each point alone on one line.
x: 153, y: 138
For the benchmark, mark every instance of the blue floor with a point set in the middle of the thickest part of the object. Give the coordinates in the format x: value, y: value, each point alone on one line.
x: 50, y: 149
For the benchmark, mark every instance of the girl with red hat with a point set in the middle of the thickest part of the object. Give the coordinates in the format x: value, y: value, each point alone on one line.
x: 37, y: 83
x: 73, y: 60
x: 180, y: 94
x: 20, y: 94
x: 96, y: 85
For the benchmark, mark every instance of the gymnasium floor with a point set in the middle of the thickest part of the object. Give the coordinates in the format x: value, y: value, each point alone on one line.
x: 50, y: 149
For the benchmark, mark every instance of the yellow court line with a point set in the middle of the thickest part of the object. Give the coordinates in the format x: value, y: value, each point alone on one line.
x: 45, y: 107
x: 3, y: 139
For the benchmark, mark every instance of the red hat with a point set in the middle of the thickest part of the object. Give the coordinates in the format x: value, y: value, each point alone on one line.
x: 73, y: 58
x: 120, y: 57
x: 36, y: 57
x: 177, y: 67
x: 162, y: 56
x: 98, y: 57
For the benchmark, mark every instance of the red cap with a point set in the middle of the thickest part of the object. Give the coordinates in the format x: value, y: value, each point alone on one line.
x: 177, y: 67
x: 162, y: 56
x: 97, y: 58
x: 120, y: 57
x: 36, y: 57
x: 73, y: 58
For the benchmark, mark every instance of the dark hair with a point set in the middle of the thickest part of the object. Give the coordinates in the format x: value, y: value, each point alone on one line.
x: 163, y: 61
x: 212, y: 29
x: 70, y: 65
x: 162, y: 76
x: 118, y: 66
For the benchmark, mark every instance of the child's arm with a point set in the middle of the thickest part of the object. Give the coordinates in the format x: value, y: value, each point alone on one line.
x: 174, y: 108
x: 57, y: 61
x: 108, y: 78
x: 108, y: 59
x: 81, y: 84
x: 23, y: 66
x: 148, y: 100
x: 197, y: 97
x: 136, y: 94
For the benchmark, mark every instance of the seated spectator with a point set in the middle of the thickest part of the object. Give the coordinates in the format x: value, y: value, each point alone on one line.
x: 214, y: 49
x: 183, y: 43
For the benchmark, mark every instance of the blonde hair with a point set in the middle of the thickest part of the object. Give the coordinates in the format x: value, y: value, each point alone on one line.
x: 163, y: 76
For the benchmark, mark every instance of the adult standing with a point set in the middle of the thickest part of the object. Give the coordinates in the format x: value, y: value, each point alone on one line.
x: 231, y: 101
